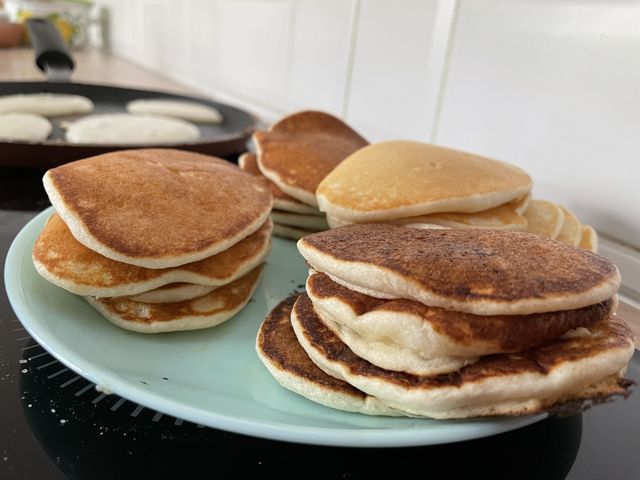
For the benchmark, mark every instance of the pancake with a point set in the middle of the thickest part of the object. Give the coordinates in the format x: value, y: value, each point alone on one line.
x: 127, y: 129
x: 299, y: 220
x: 575, y: 367
x: 502, y: 217
x: 192, y: 111
x: 400, y: 179
x: 292, y: 233
x: 544, y: 218
x: 589, y: 239
x: 408, y: 336
x: 45, y: 104
x: 570, y: 231
x: 203, y: 312
x: 249, y: 163
x: 173, y: 292
x: 290, y: 365
x: 335, y: 222
x: 301, y: 149
x: 27, y: 127
x: 65, y: 262
x: 483, y: 272
x: 157, y: 208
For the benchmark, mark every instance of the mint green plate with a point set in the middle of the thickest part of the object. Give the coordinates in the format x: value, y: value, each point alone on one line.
x: 214, y: 376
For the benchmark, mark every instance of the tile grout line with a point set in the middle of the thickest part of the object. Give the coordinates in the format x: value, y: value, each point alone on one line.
x: 442, y: 83
x: 346, y: 95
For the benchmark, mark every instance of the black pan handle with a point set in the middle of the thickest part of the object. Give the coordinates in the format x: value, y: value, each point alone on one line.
x: 52, y: 55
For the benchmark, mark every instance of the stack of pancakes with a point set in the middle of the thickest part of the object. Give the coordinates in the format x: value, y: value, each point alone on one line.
x: 412, y: 183
x: 293, y: 157
x: 156, y: 240
x: 448, y: 324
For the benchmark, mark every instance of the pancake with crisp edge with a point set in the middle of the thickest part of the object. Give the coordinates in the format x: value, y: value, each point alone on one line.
x: 65, y: 262
x: 157, y: 208
x: 301, y: 149
x: 483, y: 272
x: 573, y: 368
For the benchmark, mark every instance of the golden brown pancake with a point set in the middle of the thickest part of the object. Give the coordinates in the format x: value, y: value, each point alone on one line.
x: 456, y: 333
x: 157, y: 208
x: 65, y: 262
x: 203, y: 312
x: 400, y: 179
x: 571, y: 368
x: 570, y: 231
x: 279, y: 350
x: 503, y: 217
x: 173, y: 292
x: 544, y: 218
x: 249, y: 163
x: 589, y: 238
x: 301, y: 149
x: 483, y: 272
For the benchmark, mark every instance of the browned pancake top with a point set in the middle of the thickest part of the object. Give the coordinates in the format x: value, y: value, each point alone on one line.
x: 505, y: 333
x: 224, y: 299
x: 249, y: 164
x: 65, y: 257
x: 278, y: 342
x: 158, y: 203
x: 304, y: 147
x: 610, y: 335
x: 470, y: 265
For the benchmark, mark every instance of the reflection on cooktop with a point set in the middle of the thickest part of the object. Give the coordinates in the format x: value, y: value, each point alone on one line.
x: 90, y: 434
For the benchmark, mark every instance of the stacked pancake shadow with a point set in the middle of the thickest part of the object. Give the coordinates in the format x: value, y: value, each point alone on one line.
x: 426, y: 186
x: 156, y: 240
x: 293, y: 157
x: 448, y: 324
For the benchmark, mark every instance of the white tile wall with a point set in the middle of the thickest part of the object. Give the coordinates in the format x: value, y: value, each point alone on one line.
x: 320, y: 55
x: 553, y: 86
x: 390, y: 93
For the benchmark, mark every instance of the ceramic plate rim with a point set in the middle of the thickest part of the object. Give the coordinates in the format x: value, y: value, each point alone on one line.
x: 109, y: 380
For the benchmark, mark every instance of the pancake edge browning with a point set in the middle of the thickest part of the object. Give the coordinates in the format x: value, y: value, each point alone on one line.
x: 484, y: 388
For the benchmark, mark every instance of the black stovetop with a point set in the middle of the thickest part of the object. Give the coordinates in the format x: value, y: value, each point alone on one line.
x: 54, y: 424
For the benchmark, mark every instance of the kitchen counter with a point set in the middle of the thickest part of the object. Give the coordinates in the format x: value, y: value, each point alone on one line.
x: 54, y: 424
x: 92, y: 66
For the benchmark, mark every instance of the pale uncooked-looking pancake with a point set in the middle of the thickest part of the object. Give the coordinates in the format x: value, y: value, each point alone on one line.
x: 249, y: 163
x: 173, y: 292
x: 292, y: 233
x: 570, y: 231
x: 484, y: 272
x: 65, y: 262
x: 290, y: 365
x: 405, y: 335
x: 300, y: 220
x: 192, y: 111
x: 203, y: 312
x: 399, y: 179
x: 301, y: 149
x: 127, y: 129
x: 24, y: 127
x: 46, y: 104
x: 544, y: 218
x: 157, y: 208
x: 589, y: 238
x: 585, y: 364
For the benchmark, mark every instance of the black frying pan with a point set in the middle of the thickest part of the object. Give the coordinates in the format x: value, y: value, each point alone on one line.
x: 52, y: 57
